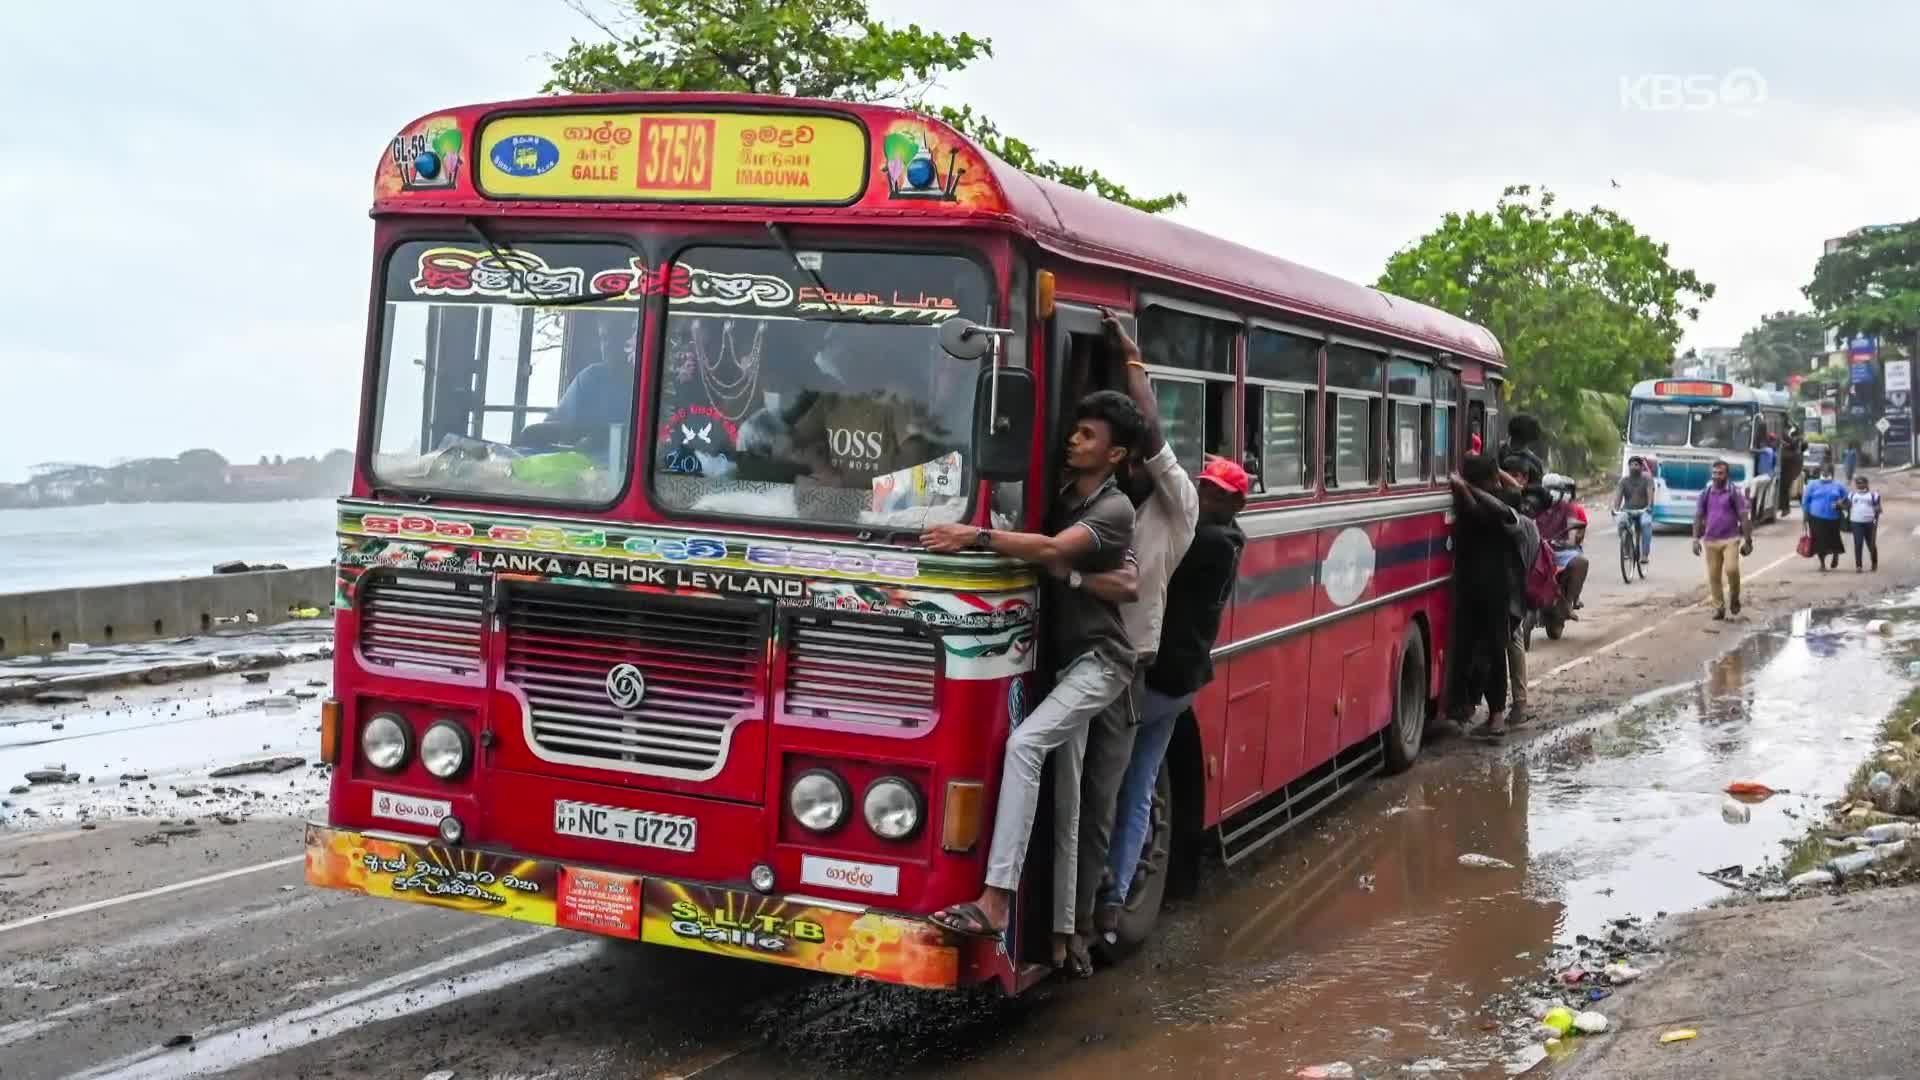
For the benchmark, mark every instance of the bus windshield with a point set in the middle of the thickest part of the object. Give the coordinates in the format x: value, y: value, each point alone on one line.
x: 777, y: 403
x: 482, y: 393
x: 1723, y: 427
x: 1658, y: 423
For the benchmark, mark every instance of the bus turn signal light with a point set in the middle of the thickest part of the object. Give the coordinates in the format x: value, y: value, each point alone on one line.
x: 330, y: 731
x: 1043, y: 294
x: 960, y: 830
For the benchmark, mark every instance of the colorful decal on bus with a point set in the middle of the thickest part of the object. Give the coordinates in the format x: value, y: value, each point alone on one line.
x: 752, y: 157
x: 918, y: 165
x: 833, y: 940
x: 425, y: 157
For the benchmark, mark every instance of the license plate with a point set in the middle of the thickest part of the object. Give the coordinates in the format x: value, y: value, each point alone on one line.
x: 642, y: 828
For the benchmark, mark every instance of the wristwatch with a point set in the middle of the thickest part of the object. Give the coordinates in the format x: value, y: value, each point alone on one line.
x: 983, y: 539
x: 1074, y: 579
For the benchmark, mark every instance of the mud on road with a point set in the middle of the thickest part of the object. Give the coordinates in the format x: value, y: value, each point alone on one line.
x: 1362, y: 938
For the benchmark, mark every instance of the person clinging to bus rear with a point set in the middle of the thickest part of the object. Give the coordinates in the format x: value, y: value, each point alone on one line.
x: 1166, y: 511
x: 1723, y: 529
x: 1488, y: 535
x: 1090, y: 530
x: 1634, y: 499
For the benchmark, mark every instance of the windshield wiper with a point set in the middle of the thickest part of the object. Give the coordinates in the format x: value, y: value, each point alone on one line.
x: 779, y: 235
x: 498, y: 251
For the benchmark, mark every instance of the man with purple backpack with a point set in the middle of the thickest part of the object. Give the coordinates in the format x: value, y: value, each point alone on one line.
x: 1722, y: 523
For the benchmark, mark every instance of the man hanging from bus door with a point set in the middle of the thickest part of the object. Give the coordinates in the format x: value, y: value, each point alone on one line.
x: 1197, y: 599
x: 1091, y: 531
x: 1166, y: 511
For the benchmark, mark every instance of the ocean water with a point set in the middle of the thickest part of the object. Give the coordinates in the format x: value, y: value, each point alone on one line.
x: 68, y: 546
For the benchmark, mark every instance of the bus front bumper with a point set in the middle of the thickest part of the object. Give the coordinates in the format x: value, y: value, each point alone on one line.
x: 793, y: 931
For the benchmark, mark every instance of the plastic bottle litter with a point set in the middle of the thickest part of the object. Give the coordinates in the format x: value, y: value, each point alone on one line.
x: 1590, y: 1023
x: 1879, y: 626
x: 1913, y: 668
x: 1620, y: 974
x: 1892, y: 830
x: 1336, y: 1070
x: 1484, y: 862
x: 1879, y: 784
x: 1847, y: 865
x: 1810, y: 879
x: 1560, y: 1019
x: 1681, y: 1035
x: 1734, y: 812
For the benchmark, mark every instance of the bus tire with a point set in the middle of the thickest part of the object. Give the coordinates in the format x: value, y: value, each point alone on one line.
x: 1149, y: 891
x: 1408, y: 728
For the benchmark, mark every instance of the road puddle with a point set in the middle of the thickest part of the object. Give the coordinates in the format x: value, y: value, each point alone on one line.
x: 1369, y: 942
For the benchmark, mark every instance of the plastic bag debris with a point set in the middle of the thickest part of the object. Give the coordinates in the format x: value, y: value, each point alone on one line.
x: 1879, y: 784
x: 1484, y: 862
x: 1810, y: 879
x: 1620, y: 974
x: 1559, y: 1018
x: 1734, y: 812
x: 1752, y: 791
x: 1681, y: 1035
x: 1336, y: 1070
x: 1590, y: 1023
x: 1574, y: 976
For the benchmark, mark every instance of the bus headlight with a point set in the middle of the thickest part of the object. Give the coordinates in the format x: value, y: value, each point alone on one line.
x: 444, y: 749
x: 383, y: 742
x: 818, y: 800
x: 892, y: 807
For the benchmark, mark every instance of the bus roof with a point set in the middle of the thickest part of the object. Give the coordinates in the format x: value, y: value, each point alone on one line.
x: 651, y: 155
x: 1699, y: 390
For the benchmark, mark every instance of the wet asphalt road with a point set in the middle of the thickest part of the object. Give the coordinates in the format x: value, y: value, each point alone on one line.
x: 1360, y: 939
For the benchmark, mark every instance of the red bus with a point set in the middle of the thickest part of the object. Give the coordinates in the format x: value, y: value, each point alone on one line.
x: 635, y: 636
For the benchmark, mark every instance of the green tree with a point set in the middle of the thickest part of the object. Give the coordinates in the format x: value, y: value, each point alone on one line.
x: 1580, y: 300
x: 1782, y: 344
x: 833, y: 49
x: 1871, y: 284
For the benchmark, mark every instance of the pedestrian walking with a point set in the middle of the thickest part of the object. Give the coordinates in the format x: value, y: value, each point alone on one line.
x: 1851, y: 459
x: 1863, y: 514
x: 1724, y: 527
x: 1824, y: 503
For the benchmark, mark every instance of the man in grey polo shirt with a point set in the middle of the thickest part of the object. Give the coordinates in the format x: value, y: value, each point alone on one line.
x: 1089, y: 531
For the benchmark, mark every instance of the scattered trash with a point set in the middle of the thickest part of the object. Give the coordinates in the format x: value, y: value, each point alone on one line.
x: 1336, y: 1070
x: 1366, y: 882
x: 188, y: 793
x: 1574, y: 976
x: 52, y: 776
x: 1734, y: 812
x: 1748, y: 789
x: 313, y: 613
x: 1484, y: 862
x: 255, y: 676
x: 1559, y: 1019
x: 1811, y: 879
x: 1590, y: 1023
x: 1892, y: 830
x: 178, y: 1040
x: 264, y: 765
x: 1848, y: 865
x: 1733, y: 877
x: 1620, y: 974
x: 1913, y: 668
x: 1879, y: 785
x: 1597, y: 994
x: 1879, y: 626
x: 1681, y: 1035
x: 133, y: 776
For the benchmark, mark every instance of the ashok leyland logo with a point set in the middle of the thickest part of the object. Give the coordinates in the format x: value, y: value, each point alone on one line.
x: 626, y: 687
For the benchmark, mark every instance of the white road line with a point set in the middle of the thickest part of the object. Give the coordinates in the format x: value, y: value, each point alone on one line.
x: 144, y: 894
x: 1594, y: 654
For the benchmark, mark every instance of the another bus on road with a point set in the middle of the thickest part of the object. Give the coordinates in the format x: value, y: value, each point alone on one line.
x: 635, y: 634
x: 1684, y: 426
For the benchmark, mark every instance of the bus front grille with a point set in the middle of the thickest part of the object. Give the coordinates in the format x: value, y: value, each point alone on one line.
x: 870, y: 672
x: 573, y: 652
x: 422, y: 622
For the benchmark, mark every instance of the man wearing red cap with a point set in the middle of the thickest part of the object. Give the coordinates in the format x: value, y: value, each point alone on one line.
x: 1197, y: 597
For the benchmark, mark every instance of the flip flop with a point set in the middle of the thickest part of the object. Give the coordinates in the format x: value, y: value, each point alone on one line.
x: 968, y: 921
x: 1079, y: 960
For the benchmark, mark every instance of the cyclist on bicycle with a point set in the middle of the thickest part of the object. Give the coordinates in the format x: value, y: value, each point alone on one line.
x: 1635, y: 499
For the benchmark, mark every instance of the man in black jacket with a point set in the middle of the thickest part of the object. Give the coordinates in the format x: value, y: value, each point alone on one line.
x: 1197, y: 597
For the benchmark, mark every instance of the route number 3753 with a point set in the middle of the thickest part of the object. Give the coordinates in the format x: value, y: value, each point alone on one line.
x: 676, y: 154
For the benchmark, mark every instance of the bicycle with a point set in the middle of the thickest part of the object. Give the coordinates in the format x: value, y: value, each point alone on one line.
x: 1630, y: 561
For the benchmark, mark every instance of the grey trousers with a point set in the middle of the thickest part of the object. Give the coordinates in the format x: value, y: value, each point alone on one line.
x: 1086, y: 687
x: 1103, y: 770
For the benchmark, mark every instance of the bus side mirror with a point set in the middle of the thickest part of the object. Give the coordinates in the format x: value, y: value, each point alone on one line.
x: 1003, y: 424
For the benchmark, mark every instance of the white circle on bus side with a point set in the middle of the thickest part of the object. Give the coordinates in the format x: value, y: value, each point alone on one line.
x: 1348, y: 567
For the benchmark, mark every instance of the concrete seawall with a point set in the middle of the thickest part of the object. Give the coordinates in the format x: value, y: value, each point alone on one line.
x: 49, y: 621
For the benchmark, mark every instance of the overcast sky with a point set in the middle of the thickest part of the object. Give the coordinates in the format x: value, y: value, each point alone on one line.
x: 185, y: 186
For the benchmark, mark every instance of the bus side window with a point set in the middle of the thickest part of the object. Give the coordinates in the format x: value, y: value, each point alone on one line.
x: 1353, y: 415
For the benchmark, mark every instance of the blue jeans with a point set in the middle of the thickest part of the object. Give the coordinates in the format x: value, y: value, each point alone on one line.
x: 1133, y: 811
x: 1646, y: 529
